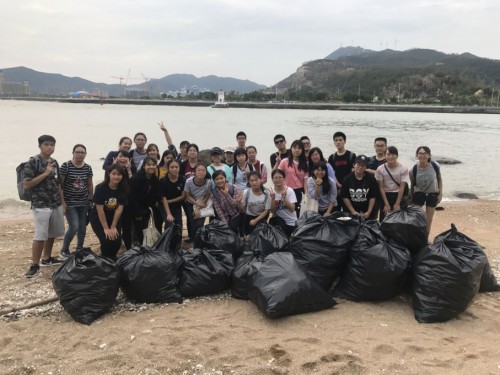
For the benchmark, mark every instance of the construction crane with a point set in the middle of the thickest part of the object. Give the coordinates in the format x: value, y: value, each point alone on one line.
x: 121, y: 81
x: 146, y: 84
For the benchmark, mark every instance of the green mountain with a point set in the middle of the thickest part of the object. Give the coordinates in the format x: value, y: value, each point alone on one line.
x: 413, y: 76
x: 56, y: 84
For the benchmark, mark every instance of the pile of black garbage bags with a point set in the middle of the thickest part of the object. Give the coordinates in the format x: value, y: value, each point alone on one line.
x: 326, y: 257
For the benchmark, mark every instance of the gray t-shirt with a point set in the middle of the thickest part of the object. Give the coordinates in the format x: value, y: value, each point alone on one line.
x: 197, y: 191
x: 256, y: 204
x: 426, y: 180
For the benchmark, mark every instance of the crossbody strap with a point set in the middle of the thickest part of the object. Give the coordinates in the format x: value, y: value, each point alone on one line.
x: 390, y: 175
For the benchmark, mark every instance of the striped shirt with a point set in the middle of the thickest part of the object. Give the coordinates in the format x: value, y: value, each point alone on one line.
x: 75, y: 187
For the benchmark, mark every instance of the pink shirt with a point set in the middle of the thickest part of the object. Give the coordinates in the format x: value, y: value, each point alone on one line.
x: 294, y: 177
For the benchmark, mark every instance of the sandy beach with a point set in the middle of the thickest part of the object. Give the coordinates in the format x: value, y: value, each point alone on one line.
x: 222, y: 335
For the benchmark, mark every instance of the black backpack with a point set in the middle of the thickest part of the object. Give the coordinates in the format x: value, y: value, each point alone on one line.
x: 25, y: 194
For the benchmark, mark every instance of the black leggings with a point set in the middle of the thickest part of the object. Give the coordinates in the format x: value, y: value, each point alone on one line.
x: 109, y: 248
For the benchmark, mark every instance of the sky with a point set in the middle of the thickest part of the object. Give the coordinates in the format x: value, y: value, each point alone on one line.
x: 263, y: 41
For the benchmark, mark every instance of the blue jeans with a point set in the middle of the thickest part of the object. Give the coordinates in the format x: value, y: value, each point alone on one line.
x: 77, y: 224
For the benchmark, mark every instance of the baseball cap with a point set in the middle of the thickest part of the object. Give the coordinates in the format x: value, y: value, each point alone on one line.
x: 229, y: 149
x: 362, y: 159
x: 215, y: 151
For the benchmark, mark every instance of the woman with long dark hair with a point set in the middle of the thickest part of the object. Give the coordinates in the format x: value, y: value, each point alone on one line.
x: 296, y: 171
x: 162, y: 165
x: 144, y: 195
x: 322, y: 188
x: 109, y: 198
x: 315, y: 156
x: 172, y: 191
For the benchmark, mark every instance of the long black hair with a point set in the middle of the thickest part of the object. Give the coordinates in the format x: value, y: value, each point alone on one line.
x: 325, y: 186
x: 302, y: 156
x: 321, y: 158
x: 123, y: 188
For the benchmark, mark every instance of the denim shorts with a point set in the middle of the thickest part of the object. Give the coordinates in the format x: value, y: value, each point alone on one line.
x: 428, y: 199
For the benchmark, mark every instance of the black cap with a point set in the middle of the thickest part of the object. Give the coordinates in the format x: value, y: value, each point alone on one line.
x: 362, y: 159
x: 215, y: 151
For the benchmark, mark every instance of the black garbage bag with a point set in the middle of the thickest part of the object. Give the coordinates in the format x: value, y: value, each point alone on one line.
x: 489, y: 282
x: 205, y: 272
x: 408, y: 227
x: 87, y: 285
x: 239, y: 277
x: 170, y: 239
x: 149, y: 275
x: 321, y: 245
x: 378, y: 268
x: 446, y: 277
x: 267, y: 239
x: 279, y: 286
x: 218, y: 235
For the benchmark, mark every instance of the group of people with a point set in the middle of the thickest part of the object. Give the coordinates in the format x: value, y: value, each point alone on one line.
x: 142, y: 185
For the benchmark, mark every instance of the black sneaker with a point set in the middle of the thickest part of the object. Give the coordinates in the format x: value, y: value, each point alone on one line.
x: 34, y: 268
x: 50, y: 262
x: 65, y: 253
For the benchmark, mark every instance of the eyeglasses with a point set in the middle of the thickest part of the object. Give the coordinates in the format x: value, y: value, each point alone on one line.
x: 306, y: 143
x: 80, y: 152
x: 422, y: 153
x: 279, y: 141
x: 139, y: 140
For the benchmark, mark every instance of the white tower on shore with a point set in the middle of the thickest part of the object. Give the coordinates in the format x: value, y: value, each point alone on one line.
x: 220, y: 96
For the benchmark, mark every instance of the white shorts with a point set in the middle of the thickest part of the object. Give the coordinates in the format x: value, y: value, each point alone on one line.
x: 49, y: 223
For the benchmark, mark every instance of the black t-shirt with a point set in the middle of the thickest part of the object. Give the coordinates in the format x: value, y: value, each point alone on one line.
x: 342, y: 164
x: 359, y: 192
x: 108, y: 198
x: 171, y: 190
x: 286, y: 154
x: 373, y: 163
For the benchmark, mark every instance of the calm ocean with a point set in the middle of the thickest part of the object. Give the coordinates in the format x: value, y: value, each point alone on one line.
x: 473, y: 139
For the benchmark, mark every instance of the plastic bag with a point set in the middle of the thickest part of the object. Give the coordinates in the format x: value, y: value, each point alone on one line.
x: 447, y: 276
x: 279, y: 286
x: 87, y: 285
x: 150, y: 234
x: 218, y: 235
x: 239, y: 277
x: 267, y: 239
x: 149, y: 275
x: 169, y: 240
x: 205, y: 272
x: 321, y: 245
x: 408, y: 227
x: 308, y: 204
x: 377, y: 269
x: 488, y: 280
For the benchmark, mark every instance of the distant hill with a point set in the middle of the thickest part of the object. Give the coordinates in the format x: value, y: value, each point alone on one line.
x: 416, y: 75
x: 57, y: 84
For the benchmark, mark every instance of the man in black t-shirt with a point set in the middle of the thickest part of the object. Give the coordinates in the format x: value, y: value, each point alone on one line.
x: 380, y: 145
x: 360, y: 190
x: 282, y: 153
x: 342, y: 162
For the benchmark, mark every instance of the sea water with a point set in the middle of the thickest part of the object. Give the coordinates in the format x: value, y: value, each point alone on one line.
x: 474, y: 139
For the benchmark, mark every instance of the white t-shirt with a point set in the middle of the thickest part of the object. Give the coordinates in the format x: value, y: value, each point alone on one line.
x: 256, y: 203
x: 282, y: 211
x: 399, y: 173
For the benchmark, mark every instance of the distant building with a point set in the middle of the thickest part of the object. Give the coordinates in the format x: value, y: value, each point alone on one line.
x: 13, y: 88
x: 136, y: 93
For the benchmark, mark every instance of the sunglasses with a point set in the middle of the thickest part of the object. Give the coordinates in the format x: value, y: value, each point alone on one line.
x: 278, y: 141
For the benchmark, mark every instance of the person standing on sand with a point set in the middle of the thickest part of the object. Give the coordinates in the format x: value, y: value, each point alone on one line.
x: 393, y: 180
x: 282, y: 153
x: 139, y: 152
x: 426, y: 184
x: 342, y: 162
x: 42, y: 178
x: 78, y: 189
